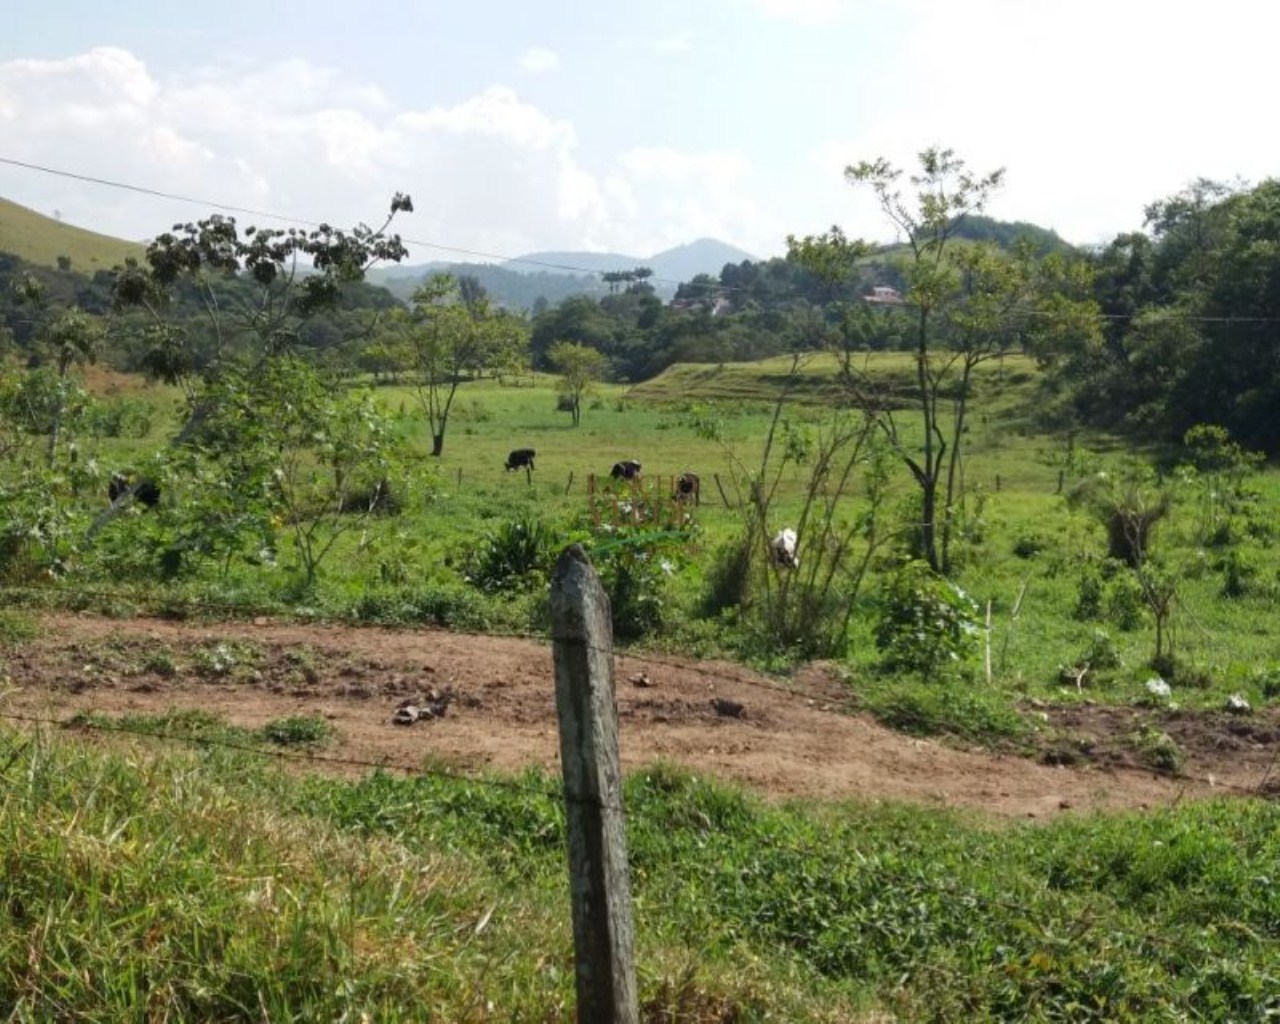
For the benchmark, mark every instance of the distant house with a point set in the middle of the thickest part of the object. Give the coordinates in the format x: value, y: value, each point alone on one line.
x: 882, y: 295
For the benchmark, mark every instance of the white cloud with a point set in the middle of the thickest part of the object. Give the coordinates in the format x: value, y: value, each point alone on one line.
x: 677, y: 43
x: 491, y: 173
x: 539, y: 60
x: 1095, y: 108
x: 806, y: 12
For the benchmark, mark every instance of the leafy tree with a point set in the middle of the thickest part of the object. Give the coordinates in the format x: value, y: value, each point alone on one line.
x: 578, y: 367
x: 317, y: 460
x: 451, y: 334
x: 966, y: 304
x: 71, y: 339
x: 257, y: 290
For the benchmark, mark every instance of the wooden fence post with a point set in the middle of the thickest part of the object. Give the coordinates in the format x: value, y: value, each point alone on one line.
x: 598, y: 875
x: 720, y: 487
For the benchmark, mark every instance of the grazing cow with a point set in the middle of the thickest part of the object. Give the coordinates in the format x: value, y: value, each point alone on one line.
x: 688, y: 488
x: 782, y: 550
x: 521, y: 458
x: 628, y: 469
x: 145, y: 492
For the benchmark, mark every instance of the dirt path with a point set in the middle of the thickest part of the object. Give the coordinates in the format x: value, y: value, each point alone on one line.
x: 501, y: 714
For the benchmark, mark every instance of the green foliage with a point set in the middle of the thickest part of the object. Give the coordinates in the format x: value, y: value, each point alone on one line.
x: 927, y: 625
x: 1157, y: 748
x: 518, y: 554
x: 635, y: 565
x: 433, y: 604
x: 297, y: 730
x: 923, y: 708
x: 121, y: 417
x: 16, y: 627
x: 578, y: 366
x: 728, y: 577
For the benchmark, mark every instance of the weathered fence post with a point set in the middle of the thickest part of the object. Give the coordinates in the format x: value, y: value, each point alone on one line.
x: 598, y: 875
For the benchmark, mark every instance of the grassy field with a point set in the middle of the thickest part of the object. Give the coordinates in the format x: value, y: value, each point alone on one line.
x: 152, y: 883
x: 1022, y: 544
x: 146, y: 883
x: 40, y: 239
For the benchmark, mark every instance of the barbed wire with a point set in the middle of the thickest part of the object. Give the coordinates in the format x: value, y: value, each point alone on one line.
x: 815, y: 699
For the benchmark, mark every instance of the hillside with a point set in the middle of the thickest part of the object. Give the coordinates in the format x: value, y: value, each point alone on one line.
x: 41, y: 240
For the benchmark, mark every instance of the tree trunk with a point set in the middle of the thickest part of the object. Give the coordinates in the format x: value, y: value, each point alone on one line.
x: 437, y: 444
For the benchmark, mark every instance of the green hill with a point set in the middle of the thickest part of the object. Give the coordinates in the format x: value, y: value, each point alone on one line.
x: 41, y: 240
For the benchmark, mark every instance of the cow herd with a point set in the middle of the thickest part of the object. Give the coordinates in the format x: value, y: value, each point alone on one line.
x: 782, y: 548
x: 688, y: 487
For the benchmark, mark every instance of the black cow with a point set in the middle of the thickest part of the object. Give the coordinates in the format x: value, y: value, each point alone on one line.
x: 521, y: 458
x: 628, y: 469
x: 145, y: 492
x: 688, y: 488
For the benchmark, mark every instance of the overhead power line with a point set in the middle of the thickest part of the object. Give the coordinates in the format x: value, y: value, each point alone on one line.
x: 288, y: 219
x: 543, y: 264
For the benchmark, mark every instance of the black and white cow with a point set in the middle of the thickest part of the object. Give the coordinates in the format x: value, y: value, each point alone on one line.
x: 783, y: 551
x: 628, y: 469
x: 520, y: 458
x: 146, y: 492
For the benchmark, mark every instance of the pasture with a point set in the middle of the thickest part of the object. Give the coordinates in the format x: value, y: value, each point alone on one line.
x: 1020, y: 544
x: 160, y: 863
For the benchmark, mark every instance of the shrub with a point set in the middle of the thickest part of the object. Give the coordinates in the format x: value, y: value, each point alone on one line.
x: 927, y: 623
x: 1126, y: 602
x: 727, y: 577
x: 518, y: 553
x: 1157, y: 748
x: 633, y: 570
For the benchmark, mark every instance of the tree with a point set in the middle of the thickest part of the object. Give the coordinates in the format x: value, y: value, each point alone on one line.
x: 257, y: 291
x: 966, y: 303
x: 71, y: 338
x: 578, y: 367
x: 306, y: 455
x: 451, y: 334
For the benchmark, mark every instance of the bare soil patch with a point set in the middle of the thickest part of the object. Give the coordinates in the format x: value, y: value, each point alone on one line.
x: 784, y: 739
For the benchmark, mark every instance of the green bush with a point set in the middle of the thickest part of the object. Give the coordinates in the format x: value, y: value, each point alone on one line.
x: 297, y: 730
x: 927, y: 624
x: 517, y: 554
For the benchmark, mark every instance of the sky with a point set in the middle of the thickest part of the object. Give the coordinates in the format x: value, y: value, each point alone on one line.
x: 631, y: 128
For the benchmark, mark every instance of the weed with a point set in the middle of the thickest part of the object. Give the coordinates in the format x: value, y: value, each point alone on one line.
x: 17, y: 627
x: 160, y: 663
x: 1157, y: 748
x: 221, y: 658
x: 297, y: 730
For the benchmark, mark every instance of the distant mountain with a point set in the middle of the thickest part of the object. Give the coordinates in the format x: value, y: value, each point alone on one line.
x: 41, y: 240
x: 555, y: 274
x: 705, y: 256
x: 671, y: 266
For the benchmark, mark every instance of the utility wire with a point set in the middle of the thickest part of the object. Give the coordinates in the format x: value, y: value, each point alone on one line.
x: 142, y: 190
x: 544, y: 264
